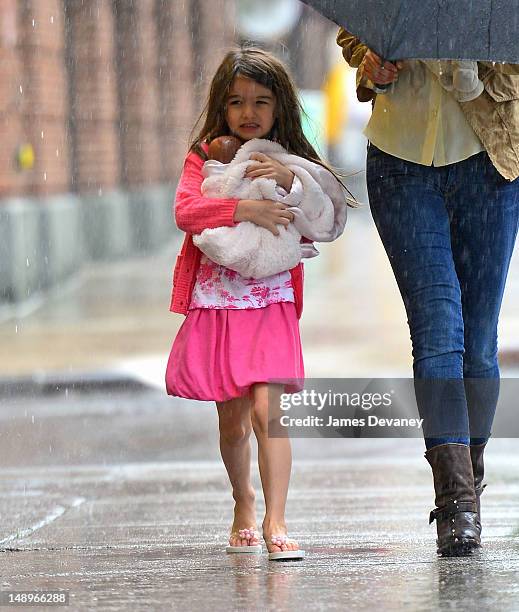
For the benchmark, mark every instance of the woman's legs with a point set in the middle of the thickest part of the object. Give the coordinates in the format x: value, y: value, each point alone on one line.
x: 485, y: 216
x: 275, y: 463
x: 235, y: 429
x: 484, y: 229
x: 408, y: 204
x: 449, y: 234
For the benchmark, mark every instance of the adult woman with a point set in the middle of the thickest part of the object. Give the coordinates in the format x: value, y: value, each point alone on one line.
x: 443, y: 190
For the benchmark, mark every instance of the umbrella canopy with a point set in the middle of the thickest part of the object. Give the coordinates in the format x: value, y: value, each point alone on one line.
x: 430, y: 29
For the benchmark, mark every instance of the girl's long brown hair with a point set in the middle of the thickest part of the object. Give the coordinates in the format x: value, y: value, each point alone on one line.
x: 267, y: 70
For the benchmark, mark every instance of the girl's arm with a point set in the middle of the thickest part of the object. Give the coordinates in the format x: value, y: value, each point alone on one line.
x: 193, y: 212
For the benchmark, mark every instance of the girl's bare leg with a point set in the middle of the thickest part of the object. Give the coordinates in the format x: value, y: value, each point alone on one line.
x: 275, y: 464
x: 235, y: 429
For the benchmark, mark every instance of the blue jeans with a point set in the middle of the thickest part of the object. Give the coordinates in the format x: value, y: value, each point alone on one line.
x: 449, y: 233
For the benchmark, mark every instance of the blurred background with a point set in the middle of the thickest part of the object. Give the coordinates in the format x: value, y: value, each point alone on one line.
x: 97, y: 101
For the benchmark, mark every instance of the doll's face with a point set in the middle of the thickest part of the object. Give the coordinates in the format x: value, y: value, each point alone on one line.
x: 250, y: 110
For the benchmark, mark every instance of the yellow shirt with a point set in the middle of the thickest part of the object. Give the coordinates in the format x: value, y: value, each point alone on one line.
x: 419, y: 121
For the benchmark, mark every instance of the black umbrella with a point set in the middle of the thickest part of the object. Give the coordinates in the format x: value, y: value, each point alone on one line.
x: 430, y: 29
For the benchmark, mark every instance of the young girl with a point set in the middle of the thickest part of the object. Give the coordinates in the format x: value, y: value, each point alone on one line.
x: 240, y: 333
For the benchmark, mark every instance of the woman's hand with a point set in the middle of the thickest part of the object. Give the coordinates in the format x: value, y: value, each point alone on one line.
x: 270, y: 168
x: 266, y: 213
x: 381, y: 74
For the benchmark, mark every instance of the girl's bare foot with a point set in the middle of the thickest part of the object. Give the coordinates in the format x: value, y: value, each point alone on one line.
x: 243, y: 530
x: 276, y: 539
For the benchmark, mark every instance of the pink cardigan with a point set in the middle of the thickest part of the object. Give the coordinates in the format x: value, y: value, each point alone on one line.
x: 195, y: 213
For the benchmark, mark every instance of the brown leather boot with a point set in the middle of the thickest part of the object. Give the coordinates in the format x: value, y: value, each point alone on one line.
x: 455, y: 512
x: 478, y: 469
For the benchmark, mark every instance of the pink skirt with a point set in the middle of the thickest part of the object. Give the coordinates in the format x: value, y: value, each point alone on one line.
x: 218, y: 354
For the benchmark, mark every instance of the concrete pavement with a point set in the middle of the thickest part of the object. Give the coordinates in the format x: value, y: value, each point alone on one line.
x: 121, y: 499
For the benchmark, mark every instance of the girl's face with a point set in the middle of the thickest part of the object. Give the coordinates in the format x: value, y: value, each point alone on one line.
x: 250, y: 110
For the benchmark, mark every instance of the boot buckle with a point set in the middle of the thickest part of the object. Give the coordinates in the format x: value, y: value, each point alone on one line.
x: 451, y: 508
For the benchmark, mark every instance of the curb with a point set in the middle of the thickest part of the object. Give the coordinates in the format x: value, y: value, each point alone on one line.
x: 61, y: 383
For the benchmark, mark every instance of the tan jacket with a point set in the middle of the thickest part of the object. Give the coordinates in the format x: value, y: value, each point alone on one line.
x: 494, y: 115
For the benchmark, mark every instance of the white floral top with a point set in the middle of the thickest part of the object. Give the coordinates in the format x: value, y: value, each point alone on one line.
x: 220, y: 287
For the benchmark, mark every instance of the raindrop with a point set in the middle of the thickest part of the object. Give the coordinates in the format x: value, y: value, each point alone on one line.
x: 16, y: 329
x: 21, y: 89
x: 42, y: 134
x: 33, y: 23
x: 52, y: 19
x: 44, y: 176
x: 57, y: 152
x: 32, y: 419
x: 27, y: 262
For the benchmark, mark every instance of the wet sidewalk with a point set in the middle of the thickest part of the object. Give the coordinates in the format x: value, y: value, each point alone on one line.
x: 121, y: 500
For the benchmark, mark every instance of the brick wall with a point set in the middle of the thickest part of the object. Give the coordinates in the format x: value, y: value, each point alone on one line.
x: 110, y: 89
x: 176, y: 95
x: 310, y: 39
x: 211, y: 39
x: 137, y: 60
x: 11, y: 91
x: 44, y: 105
x: 191, y: 43
x: 94, y: 108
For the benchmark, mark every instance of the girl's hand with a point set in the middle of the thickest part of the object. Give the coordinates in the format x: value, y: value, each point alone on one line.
x: 381, y: 74
x: 266, y: 213
x: 270, y: 168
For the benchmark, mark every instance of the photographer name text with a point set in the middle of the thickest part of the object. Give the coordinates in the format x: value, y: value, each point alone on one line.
x: 371, y: 421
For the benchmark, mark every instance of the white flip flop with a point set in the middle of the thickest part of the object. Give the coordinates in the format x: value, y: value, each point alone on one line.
x: 243, y: 549
x: 284, y: 555
x: 247, y: 534
x: 287, y: 555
